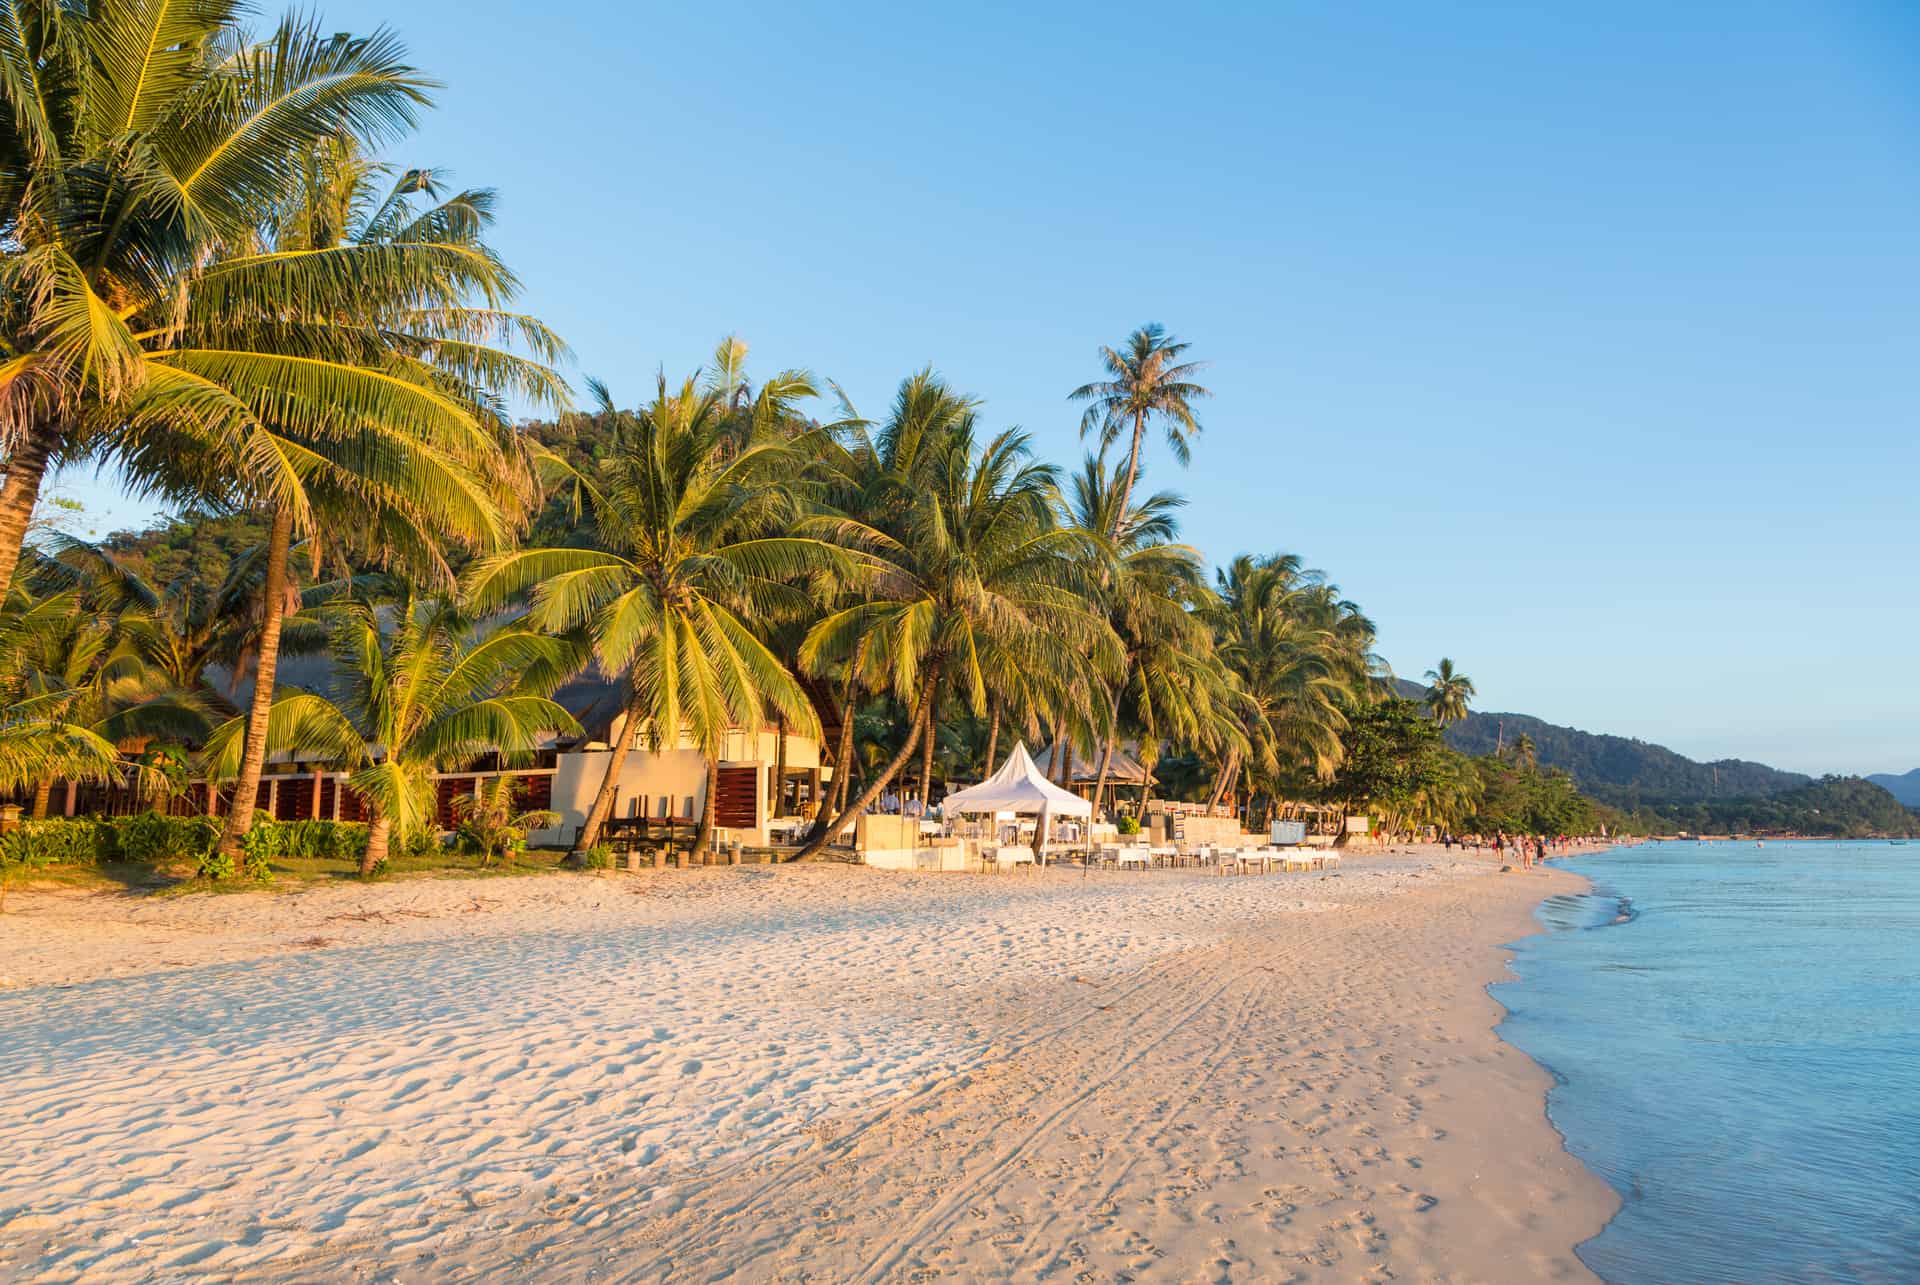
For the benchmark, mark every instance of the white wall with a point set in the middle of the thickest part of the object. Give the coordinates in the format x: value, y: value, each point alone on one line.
x: 679, y: 774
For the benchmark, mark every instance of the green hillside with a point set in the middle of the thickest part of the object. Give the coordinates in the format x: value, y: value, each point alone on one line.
x: 1839, y: 807
x: 1618, y: 770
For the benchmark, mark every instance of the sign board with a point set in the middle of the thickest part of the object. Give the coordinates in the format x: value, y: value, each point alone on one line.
x: 1287, y: 833
x: 1356, y: 825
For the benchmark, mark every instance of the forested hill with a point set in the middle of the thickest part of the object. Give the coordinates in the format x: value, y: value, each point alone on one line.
x: 1617, y: 770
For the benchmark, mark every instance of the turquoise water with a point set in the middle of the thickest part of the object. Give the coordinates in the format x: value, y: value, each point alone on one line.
x: 1736, y: 1032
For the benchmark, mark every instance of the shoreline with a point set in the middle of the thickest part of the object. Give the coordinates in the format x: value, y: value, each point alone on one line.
x: 859, y: 1075
x: 1554, y: 1079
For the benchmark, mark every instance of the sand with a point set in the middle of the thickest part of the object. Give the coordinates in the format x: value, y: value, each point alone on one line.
x: 813, y: 1073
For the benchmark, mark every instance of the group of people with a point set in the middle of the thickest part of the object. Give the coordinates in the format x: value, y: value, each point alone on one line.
x: 891, y: 804
x: 1523, y: 850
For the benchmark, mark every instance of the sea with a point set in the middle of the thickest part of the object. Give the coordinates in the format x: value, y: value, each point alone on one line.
x: 1735, y: 1035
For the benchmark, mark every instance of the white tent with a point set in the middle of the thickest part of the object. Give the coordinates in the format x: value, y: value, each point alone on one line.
x: 1017, y: 787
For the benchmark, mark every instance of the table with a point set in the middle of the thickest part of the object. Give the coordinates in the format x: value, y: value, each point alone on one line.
x: 785, y: 829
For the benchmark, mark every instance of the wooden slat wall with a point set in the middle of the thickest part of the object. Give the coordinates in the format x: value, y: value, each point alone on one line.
x: 294, y: 802
x: 735, y: 802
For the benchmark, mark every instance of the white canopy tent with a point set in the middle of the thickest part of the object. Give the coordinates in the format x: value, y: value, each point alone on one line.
x: 1018, y: 787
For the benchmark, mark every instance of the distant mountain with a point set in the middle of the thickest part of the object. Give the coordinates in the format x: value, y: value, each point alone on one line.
x: 1618, y: 770
x: 1840, y: 807
x: 1904, y: 788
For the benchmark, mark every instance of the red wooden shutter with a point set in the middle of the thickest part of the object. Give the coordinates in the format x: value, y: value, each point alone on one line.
x: 734, y: 804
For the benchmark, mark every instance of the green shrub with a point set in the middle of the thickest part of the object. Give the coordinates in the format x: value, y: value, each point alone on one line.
x: 305, y: 841
x: 60, y: 841
x: 598, y: 857
x: 216, y: 865
x: 153, y: 836
x: 148, y: 837
x: 1127, y: 824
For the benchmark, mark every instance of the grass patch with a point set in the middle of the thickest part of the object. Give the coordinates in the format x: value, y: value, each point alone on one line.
x: 290, y: 874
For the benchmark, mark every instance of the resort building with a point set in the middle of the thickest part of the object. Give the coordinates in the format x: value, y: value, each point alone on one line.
x: 765, y: 773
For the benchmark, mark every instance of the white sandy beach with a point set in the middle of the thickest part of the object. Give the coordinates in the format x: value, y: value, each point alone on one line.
x: 805, y: 1073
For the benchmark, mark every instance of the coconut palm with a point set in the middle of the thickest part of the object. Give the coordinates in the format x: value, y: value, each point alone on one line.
x: 1525, y: 754
x: 1448, y: 692
x: 135, y: 138
x: 1146, y: 381
x: 964, y: 568
x: 762, y: 413
x: 86, y: 676
x: 417, y: 688
x: 1146, y: 583
x: 201, y: 634
x: 39, y: 741
x: 1303, y: 656
x: 366, y: 345
x: 690, y: 538
x: 491, y: 820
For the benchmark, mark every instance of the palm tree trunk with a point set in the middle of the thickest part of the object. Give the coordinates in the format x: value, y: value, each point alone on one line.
x: 379, y: 833
x: 842, y: 766
x: 1106, y: 750
x: 1226, y: 774
x: 776, y: 805
x: 26, y: 470
x: 610, y: 784
x: 1133, y: 472
x: 993, y: 738
x: 926, y: 753
x: 246, y: 787
x: 703, y: 841
x: 42, y: 793
x: 880, y: 780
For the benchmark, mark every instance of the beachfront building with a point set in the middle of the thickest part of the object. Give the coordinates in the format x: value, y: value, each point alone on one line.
x: 766, y: 773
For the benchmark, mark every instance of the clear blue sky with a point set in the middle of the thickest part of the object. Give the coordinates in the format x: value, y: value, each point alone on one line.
x: 1580, y: 343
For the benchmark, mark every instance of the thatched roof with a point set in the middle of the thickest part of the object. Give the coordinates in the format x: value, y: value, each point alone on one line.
x: 1124, y: 770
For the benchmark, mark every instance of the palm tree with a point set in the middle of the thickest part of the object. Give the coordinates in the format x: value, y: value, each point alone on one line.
x: 491, y: 820
x: 190, y: 627
x: 136, y: 137
x: 1525, y: 754
x: 689, y: 539
x: 963, y: 568
x: 1146, y: 381
x: 39, y: 741
x: 81, y: 672
x: 756, y: 414
x: 1448, y: 692
x: 1147, y: 583
x: 1303, y: 657
x: 417, y: 689
x: 365, y: 345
